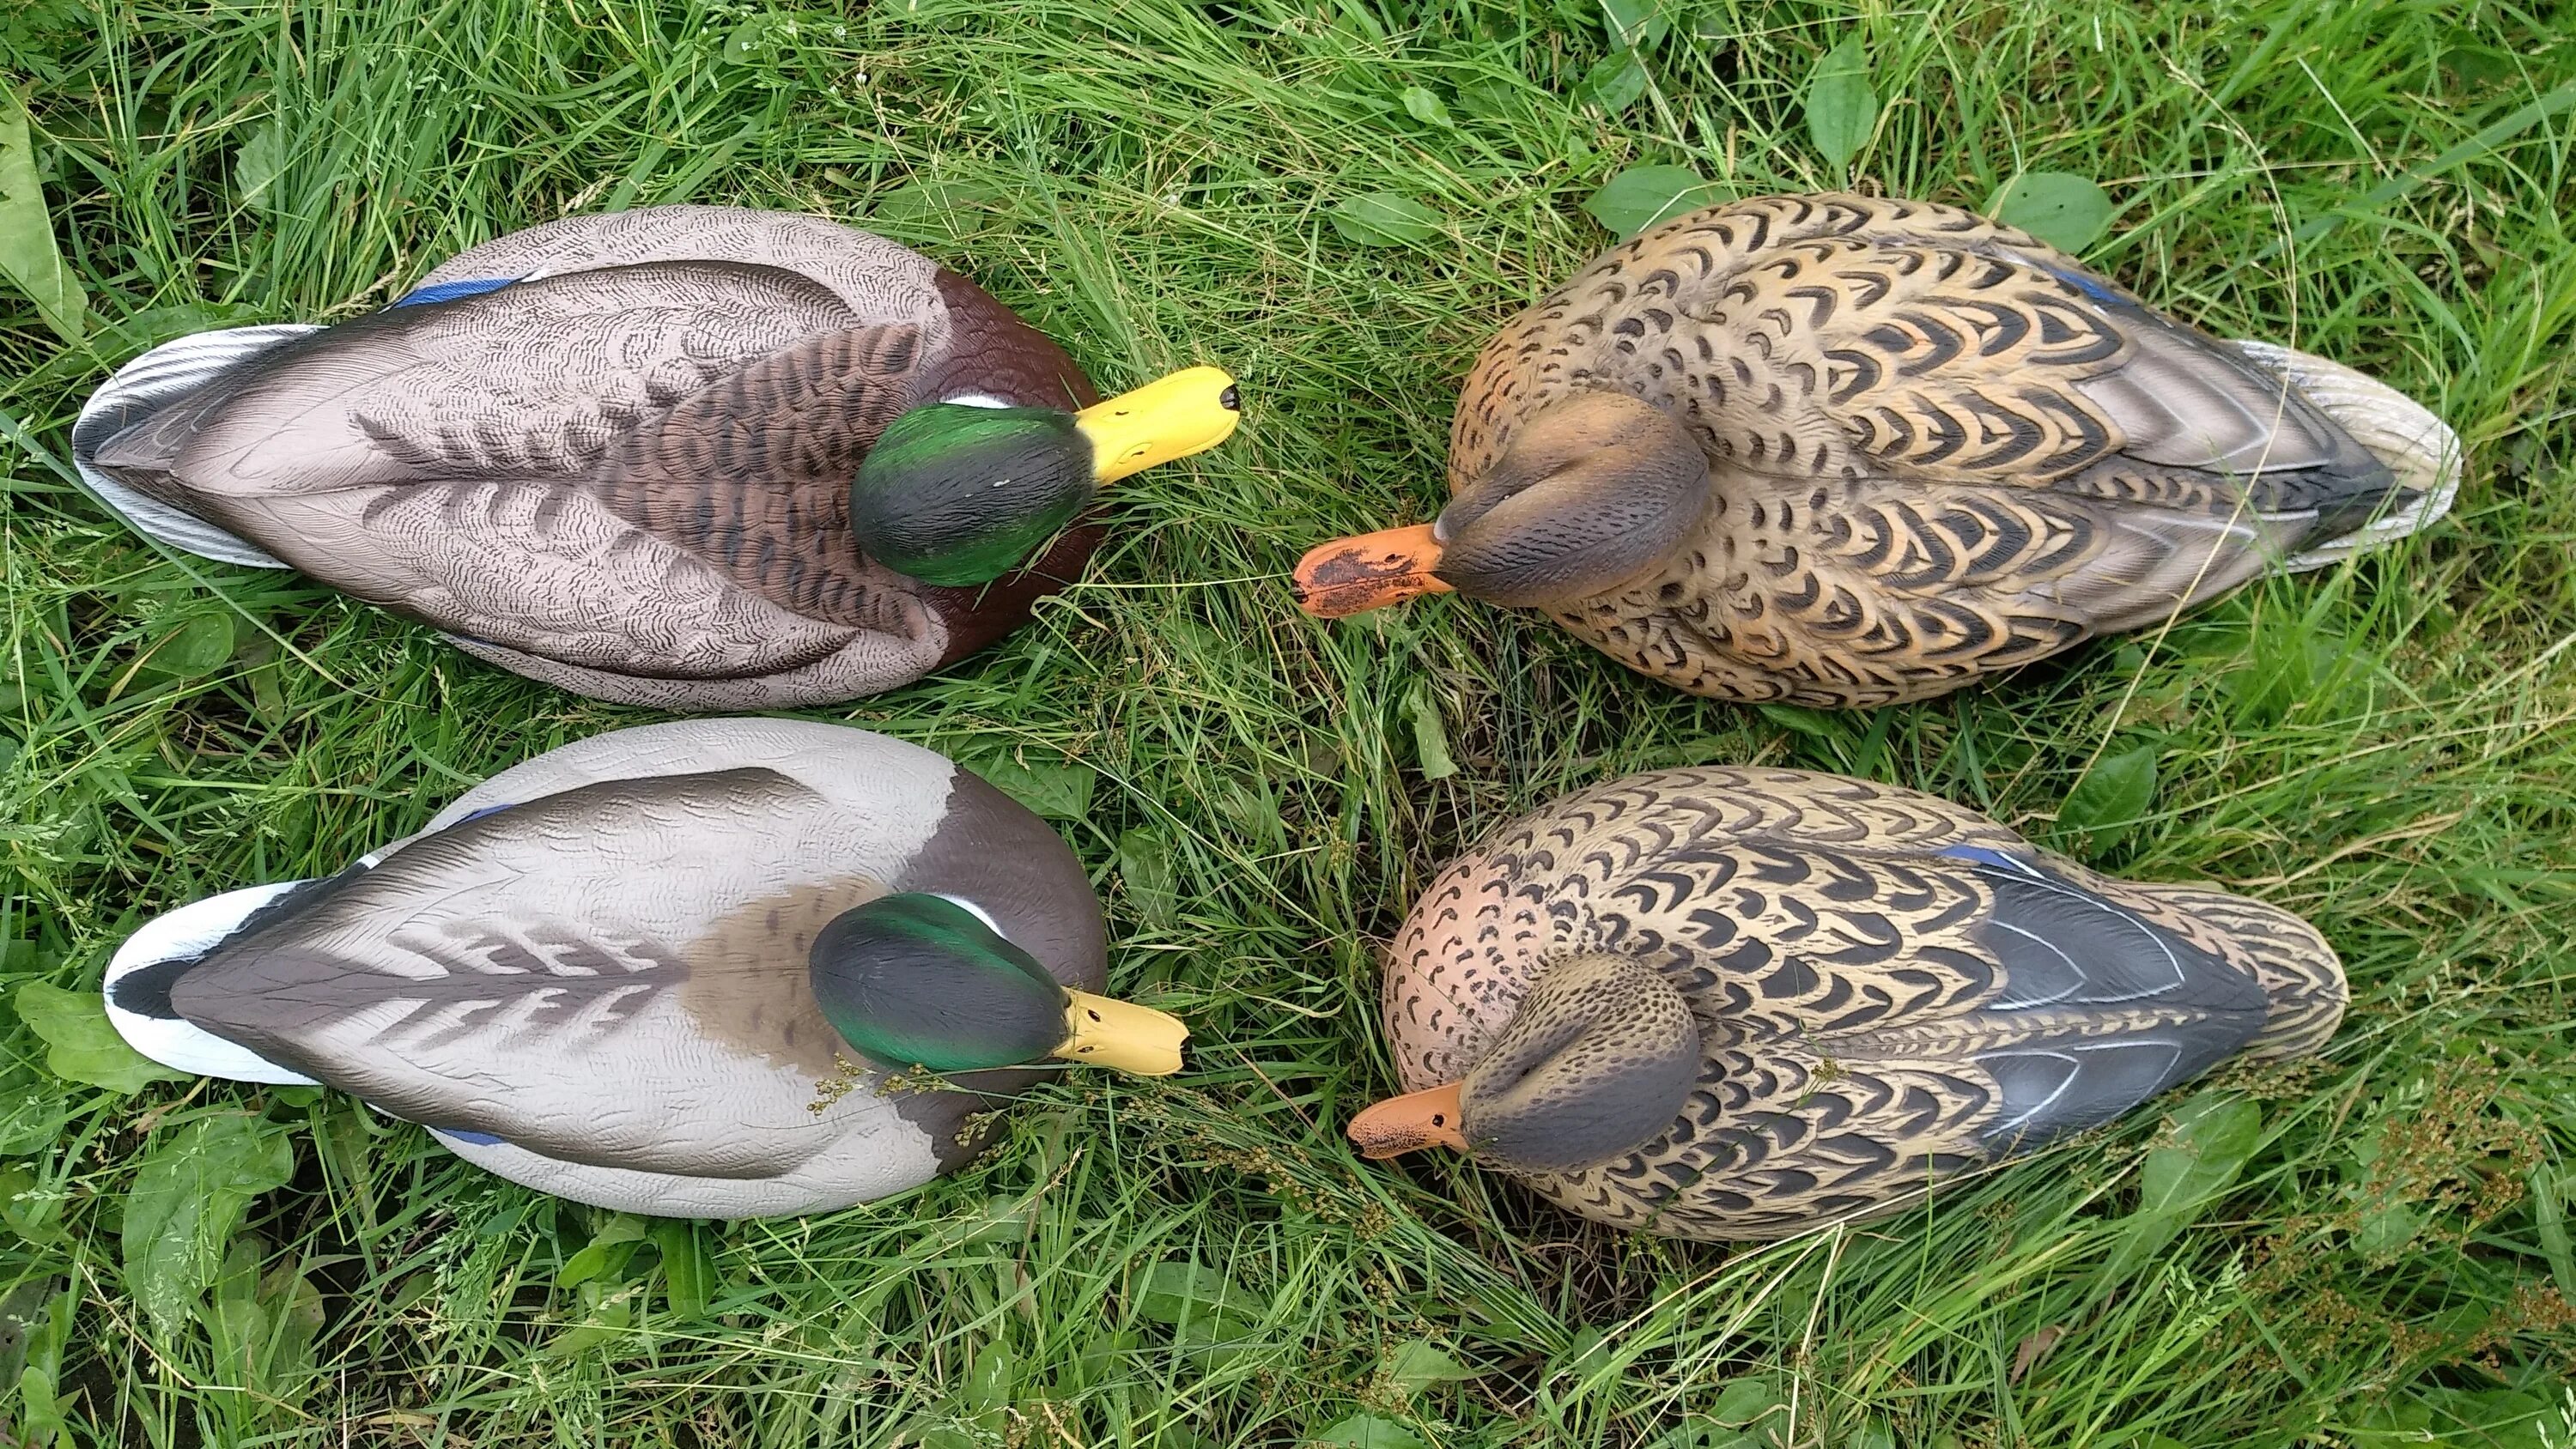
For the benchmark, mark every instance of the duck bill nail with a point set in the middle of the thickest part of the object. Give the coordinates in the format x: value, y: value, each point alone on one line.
x: 1109, y: 1033
x: 1354, y: 575
x: 1409, y: 1123
x: 1188, y: 412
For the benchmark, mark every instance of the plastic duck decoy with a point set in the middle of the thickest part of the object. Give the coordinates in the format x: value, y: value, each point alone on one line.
x: 1738, y: 1004
x: 670, y: 970
x: 691, y: 457
x: 1841, y: 451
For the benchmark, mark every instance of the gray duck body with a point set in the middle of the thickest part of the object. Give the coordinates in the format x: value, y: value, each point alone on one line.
x: 625, y: 472
x: 589, y: 973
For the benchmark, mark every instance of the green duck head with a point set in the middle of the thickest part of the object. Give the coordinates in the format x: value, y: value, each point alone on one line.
x: 925, y: 980
x: 957, y: 494
x: 1595, y: 1065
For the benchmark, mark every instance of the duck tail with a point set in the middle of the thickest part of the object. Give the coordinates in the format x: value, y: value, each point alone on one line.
x: 154, y: 958
x: 2418, y: 447
x: 115, y: 423
x: 2299, y: 972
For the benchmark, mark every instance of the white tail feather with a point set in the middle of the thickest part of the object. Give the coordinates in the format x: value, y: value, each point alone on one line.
x: 2418, y: 447
x: 159, y: 377
x: 188, y: 932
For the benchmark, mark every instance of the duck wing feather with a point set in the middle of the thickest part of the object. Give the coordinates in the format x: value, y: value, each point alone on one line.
x: 633, y: 465
x: 614, y: 974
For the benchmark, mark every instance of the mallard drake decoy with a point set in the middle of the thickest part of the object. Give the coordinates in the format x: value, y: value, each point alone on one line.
x: 1834, y: 450
x: 1735, y: 1004
x: 668, y: 970
x: 692, y: 456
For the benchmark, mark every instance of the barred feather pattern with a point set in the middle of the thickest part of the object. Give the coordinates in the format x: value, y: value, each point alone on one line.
x: 1941, y: 448
x: 1854, y: 956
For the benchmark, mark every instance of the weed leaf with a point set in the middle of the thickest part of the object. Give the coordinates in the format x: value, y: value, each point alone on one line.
x: 1430, y: 736
x: 1425, y: 107
x: 1841, y: 108
x: 28, y: 257
x: 688, y: 1272
x: 1365, y: 1431
x: 261, y: 161
x: 1418, y: 1364
x: 1384, y: 219
x: 193, y: 1189
x: 1640, y: 196
x: 1614, y: 83
x: 1635, y: 24
x: 81, y: 1046
x: 2215, y: 1133
x: 2063, y: 209
x: 2111, y: 796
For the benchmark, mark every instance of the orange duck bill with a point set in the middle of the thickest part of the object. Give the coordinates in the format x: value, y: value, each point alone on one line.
x: 1398, y: 1125
x: 1371, y: 571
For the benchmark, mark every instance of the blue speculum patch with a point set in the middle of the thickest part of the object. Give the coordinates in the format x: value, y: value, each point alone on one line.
x: 479, y: 814
x: 1985, y: 855
x: 459, y: 1134
x: 450, y: 291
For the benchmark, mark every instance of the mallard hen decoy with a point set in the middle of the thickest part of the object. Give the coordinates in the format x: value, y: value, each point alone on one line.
x: 668, y: 970
x: 692, y: 456
x: 1834, y: 450
x: 1735, y: 1004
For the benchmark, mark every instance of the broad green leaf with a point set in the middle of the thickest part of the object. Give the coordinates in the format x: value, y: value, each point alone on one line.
x: 1418, y: 1364
x: 990, y: 1377
x: 1365, y: 1431
x: 1641, y: 196
x: 1175, y: 1292
x: 1051, y: 789
x: 1145, y: 864
x: 1841, y: 108
x: 2111, y: 796
x: 1384, y: 219
x: 2215, y: 1134
x: 1636, y: 24
x: 1614, y: 82
x: 191, y: 1193
x: 28, y: 256
x: 80, y: 1045
x: 198, y: 646
x: 688, y: 1271
x: 1425, y: 107
x: 605, y: 1253
x: 2063, y: 209
x: 1745, y: 1403
x: 1814, y: 723
x: 1430, y: 736
x: 261, y: 161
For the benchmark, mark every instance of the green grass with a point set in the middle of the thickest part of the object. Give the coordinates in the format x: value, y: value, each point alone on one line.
x: 2389, y: 749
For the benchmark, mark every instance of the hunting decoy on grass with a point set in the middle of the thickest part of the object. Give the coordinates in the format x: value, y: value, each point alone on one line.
x: 692, y: 457
x: 1836, y: 450
x: 685, y: 969
x: 1737, y: 1004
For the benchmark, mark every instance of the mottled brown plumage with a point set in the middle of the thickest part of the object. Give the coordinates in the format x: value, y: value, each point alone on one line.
x: 1882, y: 992
x: 626, y: 472
x: 1844, y: 451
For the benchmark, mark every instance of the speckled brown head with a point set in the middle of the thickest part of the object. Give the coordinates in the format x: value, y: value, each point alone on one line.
x: 1594, y: 492
x: 1595, y: 1065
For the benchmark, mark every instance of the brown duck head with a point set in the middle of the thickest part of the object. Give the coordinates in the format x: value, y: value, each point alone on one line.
x: 1595, y: 1065
x: 1595, y: 491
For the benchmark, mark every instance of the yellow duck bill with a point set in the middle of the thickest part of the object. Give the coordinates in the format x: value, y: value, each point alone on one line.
x: 1106, y: 1032
x: 1188, y: 412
